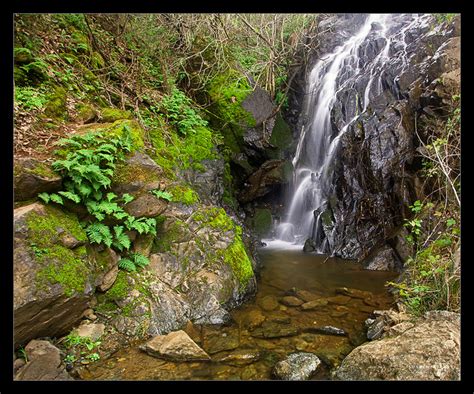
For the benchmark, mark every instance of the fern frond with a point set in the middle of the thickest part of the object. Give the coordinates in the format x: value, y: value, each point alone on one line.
x: 56, y: 198
x: 110, y: 196
x: 44, y: 196
x: 139, y: 259
x: 71, y: 196
x: 127, y: 265
x: 127, y: 198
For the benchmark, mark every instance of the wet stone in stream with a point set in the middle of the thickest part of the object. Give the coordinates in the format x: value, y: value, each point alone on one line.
x: 339, y: 297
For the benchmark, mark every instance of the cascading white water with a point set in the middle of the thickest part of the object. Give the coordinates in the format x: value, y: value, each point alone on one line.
x: 319, y: 138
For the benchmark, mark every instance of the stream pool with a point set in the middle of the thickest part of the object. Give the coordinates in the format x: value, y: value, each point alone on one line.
x: 266, y: 329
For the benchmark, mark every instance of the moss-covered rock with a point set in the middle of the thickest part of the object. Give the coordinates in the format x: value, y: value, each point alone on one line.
x: 32, y: 177
x: 281, y: 134
x: 261, y: 221
x: 184, y: 194
x: 85, y: 113
x: 109, y: 115
x: 22, y: 56
x: 53, y: 277
x: 19, y: 76
x: 56, y: 106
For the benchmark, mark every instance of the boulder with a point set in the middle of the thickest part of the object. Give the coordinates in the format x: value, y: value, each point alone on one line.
x: 297, y: 366
x: 52, y: 283
x: 261, y: 182
x: 428, y: 350
x: 175, y: 346
x: 92, y: 331
x: 146, y: 205
x: 44, y: 363
x: 32, y: 177
x: 291, y: 301
x: 384, y: 259
x: 310, y: 305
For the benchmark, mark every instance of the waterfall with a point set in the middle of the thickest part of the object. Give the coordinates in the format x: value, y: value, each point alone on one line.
x: 355, y: 66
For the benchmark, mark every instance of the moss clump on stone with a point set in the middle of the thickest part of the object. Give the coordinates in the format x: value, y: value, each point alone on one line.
x: 127, y: 173
x: 120, y: 288
x: 56, y: 105
x: 43, y: 229
x: 262, y: 221
x: 110, y: 115
x: 60, y: 264
x: 165, y: 239
x: 236, y: 257
x: 63, y: 266
x: 85, y: 112
x: 22, y: 55
x: 215, y: 218
x: 184, y: 194
x: 281, y: 134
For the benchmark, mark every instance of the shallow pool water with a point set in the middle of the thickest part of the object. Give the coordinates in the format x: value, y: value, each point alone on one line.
x: 266, y: 329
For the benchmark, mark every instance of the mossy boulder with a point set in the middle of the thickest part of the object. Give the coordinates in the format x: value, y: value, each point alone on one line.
x: 85, y: 113
x: 22, y: 56
x: 109, y: 115
x: 54, y: 278
x: 56, y: 106
x: 32, y: 177
x: 19, y: 76
x: 261, y: 222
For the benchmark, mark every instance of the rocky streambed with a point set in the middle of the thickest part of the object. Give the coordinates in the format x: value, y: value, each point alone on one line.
x: 305, y: 304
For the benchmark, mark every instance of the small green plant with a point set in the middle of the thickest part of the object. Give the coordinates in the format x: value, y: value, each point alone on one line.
x: 30, y: 98
x: 87, y: 168
x: 179, y: 112
x: 133, y: 261
x: 80, y: 347
x: 22, y: 353
x: 162, y: 194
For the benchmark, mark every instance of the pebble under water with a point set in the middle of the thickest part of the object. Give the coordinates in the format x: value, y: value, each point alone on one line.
x: 264, y: 330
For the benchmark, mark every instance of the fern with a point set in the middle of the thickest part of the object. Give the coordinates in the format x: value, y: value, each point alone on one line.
x: 127, y: 265
x: 139, y: 259
x: 71, y: 196
x: 162, y: 194
x: 99, y: 233
x: 56, y: 198
x: 44, y: 196
x: 121, y: 241
x: 127, y: 198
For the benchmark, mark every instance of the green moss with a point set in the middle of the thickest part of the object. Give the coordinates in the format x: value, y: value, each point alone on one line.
x: 281, y: 134
x: 22, y: 55
x: 20, y: 77
x: 165, y: 239
x: 60, y: 264
x: 127, y: 173
x: 214, y: 217
x: 97, y: 60
x: 85, y: 112
x: 63, y: 266
x: 120, y: 288
x: 129, y: 127
x: 173, y: 151
x: 43, y: 229
x: 56, y: 105
x: 110, y: 115
x: 262, y: 221
x: 236, y: 257
x: 326, y: 217
x: 227, y: 92
x: 184, y: 194
x: 80, y: 42
x: 42, y: 170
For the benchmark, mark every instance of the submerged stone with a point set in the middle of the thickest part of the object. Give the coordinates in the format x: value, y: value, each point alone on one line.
x: 297, y: 366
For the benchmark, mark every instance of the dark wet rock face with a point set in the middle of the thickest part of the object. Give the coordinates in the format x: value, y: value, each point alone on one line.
x: 371, y: 179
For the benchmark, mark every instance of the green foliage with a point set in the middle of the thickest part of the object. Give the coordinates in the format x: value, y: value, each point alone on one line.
x: 184, y: 194
x: 87, y: 167
x: 162, y: 194
x: 30, y: 98
x: 134, y: 261
x: 80, y: 348
x: 441, y: 18
x: 180, y: 113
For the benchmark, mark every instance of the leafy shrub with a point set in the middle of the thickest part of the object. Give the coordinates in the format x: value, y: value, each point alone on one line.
x: 87, y: 168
